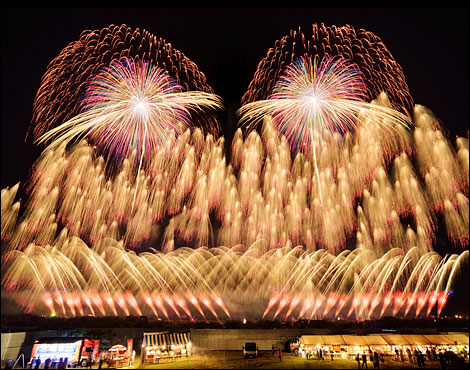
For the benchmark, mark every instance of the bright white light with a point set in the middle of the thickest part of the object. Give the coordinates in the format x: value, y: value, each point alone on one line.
x: 139, y: 104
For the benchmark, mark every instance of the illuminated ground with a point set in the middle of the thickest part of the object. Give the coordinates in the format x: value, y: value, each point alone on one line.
x: 266, y: 360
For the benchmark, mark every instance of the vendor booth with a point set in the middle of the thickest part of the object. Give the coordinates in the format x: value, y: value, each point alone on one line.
x: 157, y: 347
x: 398, y: 346
x: 120, y: 355
x: 62, y: 352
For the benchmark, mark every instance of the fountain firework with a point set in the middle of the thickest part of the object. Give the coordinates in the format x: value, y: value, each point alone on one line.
x: 180, y: 232
x: 216, y: 283
x: 76, y: 236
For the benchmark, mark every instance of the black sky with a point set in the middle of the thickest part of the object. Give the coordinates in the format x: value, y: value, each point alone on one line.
x: 431, y: 45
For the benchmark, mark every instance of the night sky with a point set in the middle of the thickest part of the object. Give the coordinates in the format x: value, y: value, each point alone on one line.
x: 431, y: 45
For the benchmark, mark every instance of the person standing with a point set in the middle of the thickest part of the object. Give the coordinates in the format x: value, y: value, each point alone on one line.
x: 442, y: 360
x: 421, y: 359
x: 280, y: 354
x: 358, y: 359
x: 37, y: 363
x: 100, y: 361
x: 364, y: 361
x: 376, y: 361
x: 132, y: 359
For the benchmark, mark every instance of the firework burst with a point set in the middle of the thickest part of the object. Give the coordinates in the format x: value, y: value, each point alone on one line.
x: 67, y: 76
x: 262, y: 236
x: 318, y: 102
x: 132, y: 105
x: 315, y: 100
x: 381, y: 71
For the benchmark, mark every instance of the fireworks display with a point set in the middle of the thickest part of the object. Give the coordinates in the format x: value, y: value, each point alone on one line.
x: 132, y: 106
x: 65, y: 81
x: 381, y: 72
x: 328, y: 206
x: 316, y: 103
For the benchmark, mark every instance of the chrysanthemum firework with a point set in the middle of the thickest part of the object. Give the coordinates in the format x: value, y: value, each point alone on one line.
x: 380, y: 70
x: 129, y: 106
x: 311, y: 101
x: 67, y: 76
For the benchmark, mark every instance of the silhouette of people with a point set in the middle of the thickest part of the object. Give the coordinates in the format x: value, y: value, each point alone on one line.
x: 364, y: 361
x: 421, y: 360
x: 376, y: 361
x: 442, y: 360
x: 100, y: 362
x: 408, y: 352
x: 358, y: 359
x: 37, y: 363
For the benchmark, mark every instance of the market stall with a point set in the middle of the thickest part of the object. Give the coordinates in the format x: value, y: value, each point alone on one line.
x: 157, y: 347
x: 118, y: 356
x: 396, y: 346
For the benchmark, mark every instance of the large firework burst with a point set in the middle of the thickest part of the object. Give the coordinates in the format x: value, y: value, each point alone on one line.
x: 132, y: 105
x: 67, y: 76
x: 316, y: 99
x: 380, y: 70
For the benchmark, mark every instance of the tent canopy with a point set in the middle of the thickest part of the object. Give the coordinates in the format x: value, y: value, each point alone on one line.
x: 354, y: 340
x: 396, y: 339
x: 374, y: 340
x: 418, y: 340
x: 118, y: 347
x: 448, y: 339
x: 386, y: 339
x: 333, y: 339
x: 166, y: 339
x: 311, y: 340
x: 458, y: 338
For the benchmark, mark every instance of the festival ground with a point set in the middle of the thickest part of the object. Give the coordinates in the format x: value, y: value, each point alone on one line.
x: 266, y: 360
